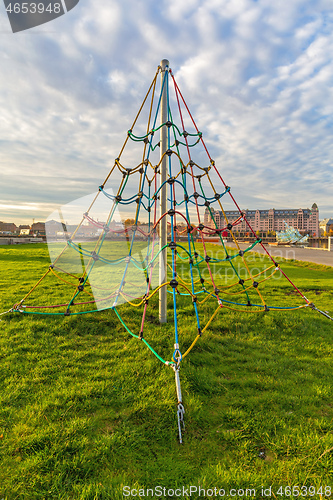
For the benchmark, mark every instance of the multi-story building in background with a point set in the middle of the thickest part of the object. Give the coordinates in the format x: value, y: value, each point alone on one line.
x: 305, y: 220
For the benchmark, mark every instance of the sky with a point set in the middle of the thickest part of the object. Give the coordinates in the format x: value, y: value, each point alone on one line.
x: 257, y: 75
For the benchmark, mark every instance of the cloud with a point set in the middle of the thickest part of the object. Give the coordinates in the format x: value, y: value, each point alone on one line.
x: 257, y: 77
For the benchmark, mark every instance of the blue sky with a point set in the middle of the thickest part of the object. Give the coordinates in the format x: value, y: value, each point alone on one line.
x: 257, y: 75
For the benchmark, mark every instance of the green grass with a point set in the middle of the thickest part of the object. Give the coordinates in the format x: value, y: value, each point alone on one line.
x: 86, y: 409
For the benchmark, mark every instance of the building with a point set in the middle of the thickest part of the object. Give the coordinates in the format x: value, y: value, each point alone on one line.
x: 24, y: 230
x: 38, y: 228
x: 326, y: 227
x: 305, y: 220
x: 8, y: 227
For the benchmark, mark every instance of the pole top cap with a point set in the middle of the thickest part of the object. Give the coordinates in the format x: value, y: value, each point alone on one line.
x: 164, y: 64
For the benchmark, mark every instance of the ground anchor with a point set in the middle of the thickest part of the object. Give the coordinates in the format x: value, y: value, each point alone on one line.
x: 180, y: 407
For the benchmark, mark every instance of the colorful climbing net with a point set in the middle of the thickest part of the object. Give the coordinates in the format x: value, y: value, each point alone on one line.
x: 106, y: 248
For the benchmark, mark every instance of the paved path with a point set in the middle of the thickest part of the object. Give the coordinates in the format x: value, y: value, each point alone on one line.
x: 288, y: 252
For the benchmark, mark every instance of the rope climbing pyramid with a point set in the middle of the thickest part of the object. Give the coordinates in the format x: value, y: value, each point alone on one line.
x: 145, y: 243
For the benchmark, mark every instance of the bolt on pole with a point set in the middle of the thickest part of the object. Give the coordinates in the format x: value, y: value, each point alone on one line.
x: 163, y: 196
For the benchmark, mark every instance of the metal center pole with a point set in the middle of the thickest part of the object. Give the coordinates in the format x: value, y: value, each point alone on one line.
x: 163, y: 196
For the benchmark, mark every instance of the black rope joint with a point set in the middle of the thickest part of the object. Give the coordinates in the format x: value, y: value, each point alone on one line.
x: 229, y: 226
x: 81, y: 280
x: 156, y: 170
x: 141, y: 335
x: 80, y: 288
x: 67, y: 312
x: 145, y: 162
x: 255, y: 284
x: 106, y: 228
x: 168, y: 152
x: 217, y: 196
x: 171, y: 180
x: 172, y: 245
x: 100, y: 188
x: 202, y: 281
x: 201, y: 227
x: 94, y: 256
x: 241, y: 282
x: 207, y: 258
x: 168, y: 123
x: 51, y: 266
x: 189, y: 229
x: 171, y: 212
x: 185, y: 197
x: 207, y: 203
x: 266, y: 308
x: 185, y: 134
x: 194, y: 298
x: 176, y: 143
x: 173, y: 283
x: 148, y: 209
x: 196, y: 255
x: 217, y: 291
x: 118, y: 198
x: 196, y: 195
x: 190, y: 261
x: 146, y: 140
x: 249, y: 303
x: 199, y: 332
x: 241, y: 253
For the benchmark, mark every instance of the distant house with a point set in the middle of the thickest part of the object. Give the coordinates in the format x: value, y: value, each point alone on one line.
x: 7, y: 227
x: 38, y: 228
x: 24, y: 230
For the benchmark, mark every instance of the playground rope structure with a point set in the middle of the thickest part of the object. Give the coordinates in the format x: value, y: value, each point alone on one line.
x: 108, y: 258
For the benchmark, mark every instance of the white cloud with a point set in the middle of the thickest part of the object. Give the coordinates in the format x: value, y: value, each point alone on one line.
x: 257, y: 77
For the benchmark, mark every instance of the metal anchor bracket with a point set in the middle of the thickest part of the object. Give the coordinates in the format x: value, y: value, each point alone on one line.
x: 181, y: 422
x: 180, y: 407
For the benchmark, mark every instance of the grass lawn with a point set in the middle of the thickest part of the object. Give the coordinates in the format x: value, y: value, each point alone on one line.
x: 87, y: 410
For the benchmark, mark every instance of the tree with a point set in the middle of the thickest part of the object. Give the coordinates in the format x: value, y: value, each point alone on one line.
x: 130, y: 222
